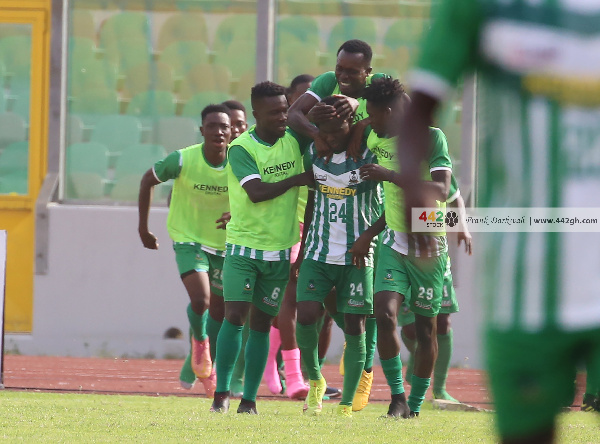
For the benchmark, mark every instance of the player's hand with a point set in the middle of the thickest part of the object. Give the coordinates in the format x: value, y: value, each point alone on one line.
x: 149, y: 240
x: 323, y: 149
x: 321, y: 113
x: 372, y: 171
x: 306, y: 178
x: 223, y: 220
x: 360, y: 250
x: 468, y: 240
x: 345, y: 107
x: 295, y: 268
x: 357, y: 132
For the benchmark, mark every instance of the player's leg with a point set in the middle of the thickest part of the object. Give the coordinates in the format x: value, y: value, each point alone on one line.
x: 237, y: 378
x: 270, y: 286
x: 313, y: 286
x: 363, y: 392
x: 442, y: 363
x: 239, y: 278
x: 406, y: 322
x: 391, y: 282
x: 271, y: 375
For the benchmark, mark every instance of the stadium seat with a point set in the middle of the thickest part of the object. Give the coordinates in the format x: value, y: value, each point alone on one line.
x: 239, y: 57
x: 14, y: 182
x: 130, y: 168
x: 12, y: 29
x: 174, y: 133
x: 235, y: 28
x: 205, y: 77
x: 194, y: 106
x: 116, y: 132
x: 87, y: 169
x: 75, y: 129
x: 123, y: 27
x: 126, y: 54
x: 152, y: 104
x: 15, y: 54
x: 347, y: 28
x: 244, y: 86
x: 13, y: 128
x: 98, y: 101
x: 90, y: 73
x: 15, y: 157
x: 405, y: 31
x: 298, y: 27
x: 181, y: 27
x: 182, y: 56
x: 146, y: 77
x: 398, y: 59
x: 315, y: 7
x: 82, y: 24
x: 295, y: 57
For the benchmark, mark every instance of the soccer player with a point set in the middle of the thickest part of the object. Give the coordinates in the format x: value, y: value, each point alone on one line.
x: 540, y: 116
x: 238, y: 118
x: 265, y: 173
x: 198, y: 214
x: 298, y: 86
x: 352, y: 74
x: 401, y: 264
x: 344, y: 208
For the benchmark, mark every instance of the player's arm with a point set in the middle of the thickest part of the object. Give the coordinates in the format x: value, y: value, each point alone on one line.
x: 149, y: 181
x: 463, y: 235
x: 308, y: 215
x: 360, y: 248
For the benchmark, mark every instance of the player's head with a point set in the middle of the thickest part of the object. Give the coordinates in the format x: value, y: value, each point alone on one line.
x: 386, y: 99
x: 216, y: 126
x: 237, y: 113
x: 269, y: 108
x: 298, y: 87
x: 335, y: 131
x: 353, y: 67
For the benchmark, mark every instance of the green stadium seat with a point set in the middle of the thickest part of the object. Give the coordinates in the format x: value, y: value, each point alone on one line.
x: 298, y: 27
x: 90, y: 73
x: 14, y: 182
x: 13, y: 128
x: 87, y: 169
x: 174, y: 133
x: 182, y: 56
x: 81, y: 48
x: 117, y: 132
x: 75, y: 129
x: 12, y: 29
x: 181, y: 27
x: 126, y: 54
x: 194, y: 106
x: 244, y: 86
x: 405, y: 31
x: 146, y: 77
x: 239, y: 57
x: 205, y: 77
x: 362, y: 28
x: 131, y: 166
x: 235, y: 28
x: 315, y: 7
x: 295, y: 57
x: 15, y: 157
x: 15, y: 54
x: 82, y: 24
x: 123, y: 27
x: 152, y: 104
x: 98, y: 101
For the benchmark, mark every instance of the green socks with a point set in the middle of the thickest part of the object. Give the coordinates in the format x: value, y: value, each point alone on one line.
x: 370, y: 341
x: 392, y: 369
x: 237, y: 379
x: 322, y: 362
x: 411, y: 346
x: 229, y: 344
x: 307, y: 337
x: 197, y: 322
x: 441, y: 367
x: 418, y: 389
x: 212, y: 330
x: 257, y: 351
x: 338, y: 318
x: 354, y: 363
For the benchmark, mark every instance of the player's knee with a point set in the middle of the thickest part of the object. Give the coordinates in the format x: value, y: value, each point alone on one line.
x: 386, y: 320
x: 443, y: 324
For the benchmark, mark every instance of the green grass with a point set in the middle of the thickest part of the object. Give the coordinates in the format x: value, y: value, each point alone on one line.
x: 51, y: 417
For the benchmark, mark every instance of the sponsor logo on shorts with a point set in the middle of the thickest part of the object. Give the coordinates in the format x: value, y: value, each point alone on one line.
x: 269, y: 301
x: 199, y: 258
x: 423, y: 305
x: 247, y: 286
x: 446, y: 303
x: 388, y: 275
x: 355, y: 303
x: 311, y: 285
x: 216, y: 285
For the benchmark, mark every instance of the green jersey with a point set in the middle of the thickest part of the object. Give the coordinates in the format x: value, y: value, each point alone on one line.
x: 539, y: 131
x: 397, y: 235
x: 326, y: 85
x: 264, y: 230
x: 200, y: 197
x: 344, y: 207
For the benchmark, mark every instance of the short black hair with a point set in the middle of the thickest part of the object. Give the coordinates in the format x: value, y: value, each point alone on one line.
x: 384, y: 91
x: 356, y: 46
x: 212, y: 108
x: 302, y: 78
x: 266, y: 89
x: 235, y: 105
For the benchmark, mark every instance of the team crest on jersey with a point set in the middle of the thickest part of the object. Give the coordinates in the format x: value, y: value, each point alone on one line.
x: 321, y: 177
x: 353, y: 178
x: 247, y: 286
x: 388, y: 275
x: 311, y: 285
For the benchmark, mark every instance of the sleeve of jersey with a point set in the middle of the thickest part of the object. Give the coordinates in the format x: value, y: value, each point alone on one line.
x: 169, y: 167
x: 303, y: 141
x: 449, y: 49
x: 307, y: 159
x: 440, y: 157
x: 242, y: 164
x: 323, y: 86
x: 454, y: 192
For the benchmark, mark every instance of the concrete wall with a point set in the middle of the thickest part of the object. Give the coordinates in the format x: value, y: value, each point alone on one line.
x: 105, y: 295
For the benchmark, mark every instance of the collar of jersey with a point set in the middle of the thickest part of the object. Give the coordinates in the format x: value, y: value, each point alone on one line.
x: 214, y: 167
x: 255, y: 137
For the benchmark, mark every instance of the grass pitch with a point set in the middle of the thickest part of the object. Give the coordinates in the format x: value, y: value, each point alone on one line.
x: 72, y: 418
